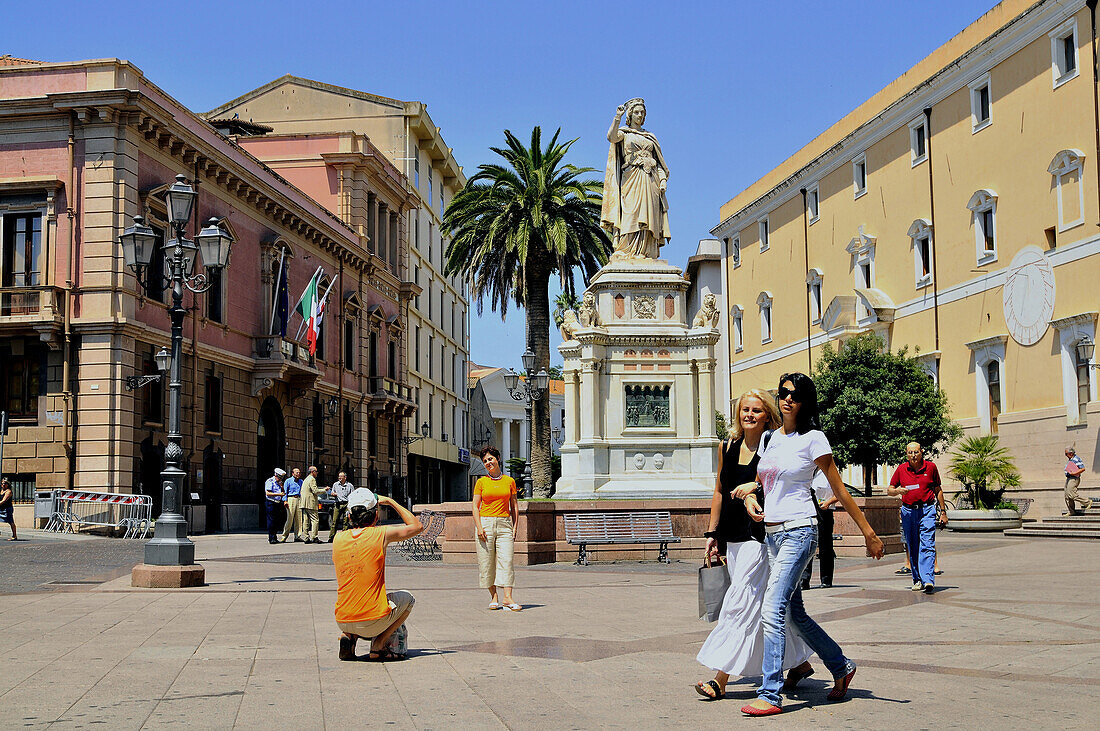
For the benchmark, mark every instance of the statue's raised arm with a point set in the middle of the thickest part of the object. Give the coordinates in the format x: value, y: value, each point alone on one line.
x: 635, y: 208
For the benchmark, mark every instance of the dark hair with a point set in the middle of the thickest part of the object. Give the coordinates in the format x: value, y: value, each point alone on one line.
x: 362, y: 517
x: 488, y: 449
x: 806, y: 395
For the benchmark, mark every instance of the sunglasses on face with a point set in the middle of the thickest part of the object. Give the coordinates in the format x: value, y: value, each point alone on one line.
x: 784, y: 392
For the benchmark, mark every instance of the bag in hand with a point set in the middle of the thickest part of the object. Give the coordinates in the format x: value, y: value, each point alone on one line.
x: 713, y: 583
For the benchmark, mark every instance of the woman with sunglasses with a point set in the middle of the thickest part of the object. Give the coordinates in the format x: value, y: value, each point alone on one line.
x: 786, y: 469
x: 736, y: 644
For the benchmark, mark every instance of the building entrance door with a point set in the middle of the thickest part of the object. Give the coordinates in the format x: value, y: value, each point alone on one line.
x: 270, y: 448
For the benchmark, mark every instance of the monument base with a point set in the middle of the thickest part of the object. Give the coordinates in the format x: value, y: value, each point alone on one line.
x: 167, y: 577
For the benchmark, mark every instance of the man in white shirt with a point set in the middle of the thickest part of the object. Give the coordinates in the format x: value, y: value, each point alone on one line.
x: 339, y: 491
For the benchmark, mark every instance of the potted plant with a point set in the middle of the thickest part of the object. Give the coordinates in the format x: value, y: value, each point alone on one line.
x: 986, y: 471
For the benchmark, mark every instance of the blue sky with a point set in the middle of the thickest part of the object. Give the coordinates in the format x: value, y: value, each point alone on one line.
x: 732, y: 88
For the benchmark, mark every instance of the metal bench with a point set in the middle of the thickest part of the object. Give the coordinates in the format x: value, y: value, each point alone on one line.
x: 425, y: 547
x: 582, y: 529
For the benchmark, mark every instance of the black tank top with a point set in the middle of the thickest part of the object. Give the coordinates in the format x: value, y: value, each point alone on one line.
x: 734, y: 523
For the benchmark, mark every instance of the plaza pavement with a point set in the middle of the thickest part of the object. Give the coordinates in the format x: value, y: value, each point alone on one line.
x: 1009, y: 640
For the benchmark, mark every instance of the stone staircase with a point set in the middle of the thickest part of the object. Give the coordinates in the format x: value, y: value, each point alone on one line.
x: 1086, y: 525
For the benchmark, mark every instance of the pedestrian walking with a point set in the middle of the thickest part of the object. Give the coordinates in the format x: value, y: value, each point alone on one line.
x: 736, y: 644
x: 273, y: 498
x: 1075, y: 502
x: 293, y: 490
x: 826, y: 554
x: 496, y: 512
x: 363, y: 606
x: 339, y: 491
x: 786, y: 469
x: 917, y: 482
x: 7, y: 511
x: 310, y: 506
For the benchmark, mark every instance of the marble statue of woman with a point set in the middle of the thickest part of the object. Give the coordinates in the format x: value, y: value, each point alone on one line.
x: 635, y: 209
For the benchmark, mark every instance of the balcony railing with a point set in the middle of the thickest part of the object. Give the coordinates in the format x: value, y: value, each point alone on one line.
x: 380, y: 387
x: 32, y: 304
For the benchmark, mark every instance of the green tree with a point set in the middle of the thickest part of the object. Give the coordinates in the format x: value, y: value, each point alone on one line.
x: 720, y: 428
x: 515, y: 225
x: 985, y: 470
x: 874, y: 402
x: 564, y: 301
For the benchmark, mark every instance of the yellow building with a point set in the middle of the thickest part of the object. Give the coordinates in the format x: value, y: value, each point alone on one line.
x: 954, y: 212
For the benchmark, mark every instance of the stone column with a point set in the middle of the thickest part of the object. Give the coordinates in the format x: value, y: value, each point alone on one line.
x: 382, y: 220
x: 571, y: 400
x: 523, y: 427
x: 372, y: 220
x: 705, y: 374
x: 589, y: 373
x: 505, y: 439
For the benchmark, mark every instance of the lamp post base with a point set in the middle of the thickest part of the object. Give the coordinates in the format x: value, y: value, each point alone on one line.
x: 167, y: 577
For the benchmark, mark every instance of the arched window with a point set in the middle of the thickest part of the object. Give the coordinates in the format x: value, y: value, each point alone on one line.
x: 983, y: 207
x: 764, y: 301
x: 737, y: 314
x: 920, y: 236
x: 1068, y: 168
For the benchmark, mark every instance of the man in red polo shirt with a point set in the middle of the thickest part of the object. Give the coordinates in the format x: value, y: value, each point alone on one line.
x: 917, y: 481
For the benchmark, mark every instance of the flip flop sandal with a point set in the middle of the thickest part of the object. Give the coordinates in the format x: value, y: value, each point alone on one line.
x: 347, y: 649
x: 701, y: 687
x: 513, y: 607
x: 903, y: 571
x: 385, y: 656
x: 494, y: 605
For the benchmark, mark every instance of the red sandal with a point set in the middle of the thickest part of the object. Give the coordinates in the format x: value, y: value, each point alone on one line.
x: 837, y: 694
x: 766, y: 710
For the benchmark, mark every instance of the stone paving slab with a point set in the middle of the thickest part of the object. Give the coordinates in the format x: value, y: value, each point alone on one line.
x: 1012, y: 628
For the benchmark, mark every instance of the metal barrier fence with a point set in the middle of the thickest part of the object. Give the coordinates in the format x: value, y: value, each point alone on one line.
x: 76, y: 509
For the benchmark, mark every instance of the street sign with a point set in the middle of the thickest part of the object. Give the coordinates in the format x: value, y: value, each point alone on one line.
x: 463, y: 455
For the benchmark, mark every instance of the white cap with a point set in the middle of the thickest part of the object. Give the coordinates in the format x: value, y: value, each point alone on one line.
x: 362, y: 496
x: 280, y: 472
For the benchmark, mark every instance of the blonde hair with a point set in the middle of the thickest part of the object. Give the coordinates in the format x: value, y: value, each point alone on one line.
x: 774, y: 420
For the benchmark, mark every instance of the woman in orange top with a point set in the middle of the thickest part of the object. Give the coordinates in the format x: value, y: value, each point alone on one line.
x: 496, y: 512
x: 363, y: 606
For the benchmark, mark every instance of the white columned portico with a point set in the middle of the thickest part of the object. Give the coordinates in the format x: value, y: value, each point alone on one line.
x: 523, y: 426
x: 506, y: 439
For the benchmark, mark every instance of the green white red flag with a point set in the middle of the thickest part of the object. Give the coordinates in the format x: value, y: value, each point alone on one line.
x: 311, y: 306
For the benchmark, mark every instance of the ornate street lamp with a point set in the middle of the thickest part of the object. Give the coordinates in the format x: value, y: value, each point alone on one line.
x: 529, y: 391
x: 163, y: 360
x: 1085, y: 350
x: 170, y: 545
x: 424, y: 431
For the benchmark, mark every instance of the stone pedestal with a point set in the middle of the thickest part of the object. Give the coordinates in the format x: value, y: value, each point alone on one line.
x: 167, y: 577
x: 639, y: 389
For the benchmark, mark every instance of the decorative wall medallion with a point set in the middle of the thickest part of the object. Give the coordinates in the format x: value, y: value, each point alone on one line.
x: 645, y: 308
x: 659, y: 461
x: 639, y: 461
x: 1028, y: 295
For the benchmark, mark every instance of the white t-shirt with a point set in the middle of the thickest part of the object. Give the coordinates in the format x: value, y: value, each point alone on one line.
x: 786, y: 469
x: 822, y: 489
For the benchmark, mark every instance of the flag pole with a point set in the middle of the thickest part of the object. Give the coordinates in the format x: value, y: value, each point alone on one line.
x: 275, y: 299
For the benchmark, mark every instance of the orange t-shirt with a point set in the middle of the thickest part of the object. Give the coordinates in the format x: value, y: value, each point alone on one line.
x: 360, y: 559
x: 495, y: 495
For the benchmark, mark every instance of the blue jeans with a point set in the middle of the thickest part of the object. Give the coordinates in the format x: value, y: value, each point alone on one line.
x: 790, y: 552
x: 918, y: 530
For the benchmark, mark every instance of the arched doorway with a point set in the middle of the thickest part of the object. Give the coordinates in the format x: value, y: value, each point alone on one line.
x: 270, y: 447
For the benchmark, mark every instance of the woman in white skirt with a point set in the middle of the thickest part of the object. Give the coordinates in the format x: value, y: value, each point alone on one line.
x: 736, y: 644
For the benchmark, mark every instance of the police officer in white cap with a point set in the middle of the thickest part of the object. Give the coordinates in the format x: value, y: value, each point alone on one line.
x: 275, y: 495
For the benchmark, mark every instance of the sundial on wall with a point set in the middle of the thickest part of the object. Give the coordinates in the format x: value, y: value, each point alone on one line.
x: 1028, y: 295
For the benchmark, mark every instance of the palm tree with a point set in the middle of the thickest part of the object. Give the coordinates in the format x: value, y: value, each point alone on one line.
x: 515, y: 225
x: 564, y: 301
x: 984, y: 469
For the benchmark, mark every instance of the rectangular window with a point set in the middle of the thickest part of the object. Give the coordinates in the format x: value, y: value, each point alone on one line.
x: 392, y: 369
x: 918, y: 142
x: 980, y: 104
x: 22, y: 250
x: 22, y: 374
x: 372, y: 436
x: 416, y: 349
x: 153, y: 286
x: 1063, y: 52
x: 738, y: 331
x: 993, y: 383
x: 416, y: 168
x: 431, y: 357
x: 215, y: 296
x: 372, y: 355
x: 391, y: 440
x: 815, y: 302
x: 430, y: 185
x: 988, y: 229
x: 765, y: 234
x: 765, y: 323
x: 213, y: 405
x: 318, y: 423
x: 431, y: 237
x: 924, y: 257
x: 23, y: 487
x: 812, y: 204
x: 859, y: 175
x: 416, y: 281
x: 349, y: 344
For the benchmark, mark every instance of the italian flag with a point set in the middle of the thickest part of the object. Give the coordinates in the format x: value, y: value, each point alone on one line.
x: 311, y: 306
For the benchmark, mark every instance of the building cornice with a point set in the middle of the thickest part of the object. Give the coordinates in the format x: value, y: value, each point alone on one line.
x: 1034, y: 23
